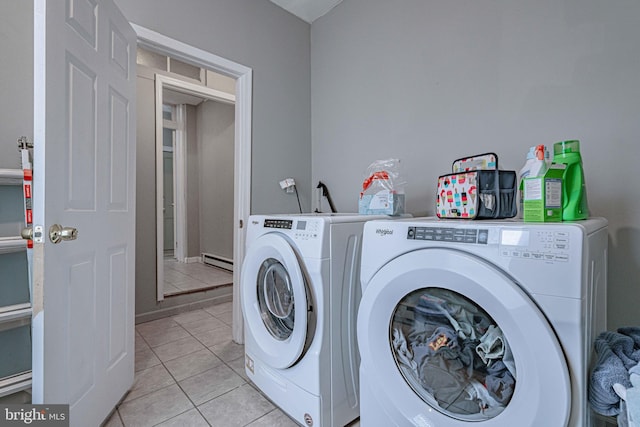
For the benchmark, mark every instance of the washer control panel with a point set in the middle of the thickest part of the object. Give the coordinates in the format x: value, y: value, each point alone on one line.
x: 282, y: 224
x: 303, y: 229
x: 445, y: 234
x: 543, y: 244
x: 534, y: 243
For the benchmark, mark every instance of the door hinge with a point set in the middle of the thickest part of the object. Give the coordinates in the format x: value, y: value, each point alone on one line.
x: 24, y: 144
x: 241, y: 224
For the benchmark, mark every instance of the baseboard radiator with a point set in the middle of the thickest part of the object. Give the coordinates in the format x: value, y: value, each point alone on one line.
x: 217, y: 261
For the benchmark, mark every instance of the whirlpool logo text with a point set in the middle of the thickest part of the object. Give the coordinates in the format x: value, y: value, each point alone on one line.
x: 384, y: 231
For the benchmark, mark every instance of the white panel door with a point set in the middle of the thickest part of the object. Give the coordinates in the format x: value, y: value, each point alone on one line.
x: 84, y: 177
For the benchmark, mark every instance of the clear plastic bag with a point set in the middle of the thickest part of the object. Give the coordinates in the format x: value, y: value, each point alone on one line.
x: 382, y: 189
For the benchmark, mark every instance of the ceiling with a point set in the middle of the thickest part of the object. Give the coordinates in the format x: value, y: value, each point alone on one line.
x: 308, y: 10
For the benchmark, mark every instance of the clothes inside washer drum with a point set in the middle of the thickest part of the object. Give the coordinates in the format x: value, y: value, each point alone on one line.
x: 451, y: 353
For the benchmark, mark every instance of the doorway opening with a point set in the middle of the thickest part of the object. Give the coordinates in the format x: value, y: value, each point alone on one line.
x: 242, y: 75
x: 195, y: 148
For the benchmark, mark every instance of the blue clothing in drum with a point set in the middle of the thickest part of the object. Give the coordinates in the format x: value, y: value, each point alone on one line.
x: 453, y: 355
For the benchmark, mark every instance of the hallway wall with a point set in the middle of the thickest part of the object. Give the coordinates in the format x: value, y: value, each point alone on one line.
x: 259, y: 35
x: 276, y: 46
x: 216, y: 144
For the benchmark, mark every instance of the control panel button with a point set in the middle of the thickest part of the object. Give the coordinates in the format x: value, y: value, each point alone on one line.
x: 448, y: 234
x: 285, y: 224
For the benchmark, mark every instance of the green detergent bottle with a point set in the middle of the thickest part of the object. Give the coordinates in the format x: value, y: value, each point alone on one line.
x: 574, y: 190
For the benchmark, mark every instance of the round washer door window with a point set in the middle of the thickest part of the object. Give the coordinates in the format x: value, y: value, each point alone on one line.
x: 276, y: 299
x: 276, y: 302
x: 417, y: 292
x: 452, y: 354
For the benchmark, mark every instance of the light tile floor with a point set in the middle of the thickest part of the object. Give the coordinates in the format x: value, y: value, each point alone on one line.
x: 190, y: 373
x: 182, y: 277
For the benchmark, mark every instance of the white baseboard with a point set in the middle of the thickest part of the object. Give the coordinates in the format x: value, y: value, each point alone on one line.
x: 217, y: 261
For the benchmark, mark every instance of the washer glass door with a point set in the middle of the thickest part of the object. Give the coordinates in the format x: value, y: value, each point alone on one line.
x: 276, y: 299
x: 276, y: 302
x: 452, y: 354
x: 447, y: 339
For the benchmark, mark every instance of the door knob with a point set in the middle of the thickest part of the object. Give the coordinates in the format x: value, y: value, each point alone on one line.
x: 27, y: 233
x: 32, y: 233
x: 58, y: 233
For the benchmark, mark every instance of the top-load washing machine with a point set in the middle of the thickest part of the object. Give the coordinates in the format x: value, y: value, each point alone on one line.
x: 300, y: 290
x: 479, y: 323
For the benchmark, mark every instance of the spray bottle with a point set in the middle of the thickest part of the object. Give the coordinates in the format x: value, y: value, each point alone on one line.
x: 535, y: 165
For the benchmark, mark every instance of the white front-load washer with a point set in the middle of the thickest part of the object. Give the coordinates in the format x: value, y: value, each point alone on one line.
x: 479, y: 323
x: 300, y: 289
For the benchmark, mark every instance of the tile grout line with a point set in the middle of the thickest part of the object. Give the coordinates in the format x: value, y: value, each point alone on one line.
x: 175, y: 381
x: 195, y: 406
x: 222, y: 360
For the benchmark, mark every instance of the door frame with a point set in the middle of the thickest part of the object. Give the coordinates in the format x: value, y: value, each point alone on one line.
x: 242, y: 152
x: 179, y: 170
x: 178, y: 135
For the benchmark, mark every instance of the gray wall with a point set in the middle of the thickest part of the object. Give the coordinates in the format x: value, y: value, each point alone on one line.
x: 430, y: 81
x: 259, y: 35
x: 210, y: 161
x: 16, y: 78
x: 275, y: 45
x: 216, y: 150
x: 16, y: 119
x: 420, y: 80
